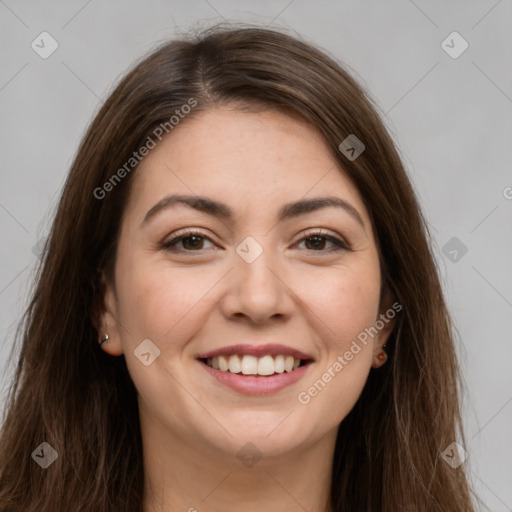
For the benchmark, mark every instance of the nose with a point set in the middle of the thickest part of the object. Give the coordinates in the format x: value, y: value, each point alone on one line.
x: 257, y: 290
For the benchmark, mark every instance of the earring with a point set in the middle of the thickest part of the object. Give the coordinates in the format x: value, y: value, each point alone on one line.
x: 382, y: 357
x: 105, y: 338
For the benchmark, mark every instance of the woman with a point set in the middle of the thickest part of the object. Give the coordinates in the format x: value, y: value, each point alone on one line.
x: 192, y: 342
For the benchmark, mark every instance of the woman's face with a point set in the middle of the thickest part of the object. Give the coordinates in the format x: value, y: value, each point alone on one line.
x: 256, y: 272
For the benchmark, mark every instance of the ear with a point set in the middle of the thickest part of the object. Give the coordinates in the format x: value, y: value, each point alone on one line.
x: 384, y: 323
x: 106, y: 316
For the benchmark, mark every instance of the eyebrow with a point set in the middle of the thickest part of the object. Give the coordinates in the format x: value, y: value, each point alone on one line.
x: 223, y: 211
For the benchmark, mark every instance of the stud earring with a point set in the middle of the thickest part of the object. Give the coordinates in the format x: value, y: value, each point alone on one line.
x: 383, y: 357
x: 105, y: 338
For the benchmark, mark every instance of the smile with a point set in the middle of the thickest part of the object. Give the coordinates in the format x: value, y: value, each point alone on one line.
x: 252, y: 365
x: 256, y: 374
x: 256, y: 369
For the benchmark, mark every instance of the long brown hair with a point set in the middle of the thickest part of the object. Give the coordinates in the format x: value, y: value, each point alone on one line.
x: 82, y: 402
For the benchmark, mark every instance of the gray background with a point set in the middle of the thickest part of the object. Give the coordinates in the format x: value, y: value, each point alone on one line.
x: 450, y: 117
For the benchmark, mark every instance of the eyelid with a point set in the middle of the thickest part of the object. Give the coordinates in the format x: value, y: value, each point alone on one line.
x: 322, y: 232
x: 183, y: 233
x: 186, y: 231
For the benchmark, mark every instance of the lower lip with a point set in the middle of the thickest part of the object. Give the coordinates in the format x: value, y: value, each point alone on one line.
x: 256, y: 385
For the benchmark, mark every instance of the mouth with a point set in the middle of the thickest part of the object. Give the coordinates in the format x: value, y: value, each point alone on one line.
x: 256, y: 369
x: 265, y: 366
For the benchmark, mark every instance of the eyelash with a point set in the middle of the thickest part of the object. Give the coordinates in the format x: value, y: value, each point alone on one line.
x: 339, y: 244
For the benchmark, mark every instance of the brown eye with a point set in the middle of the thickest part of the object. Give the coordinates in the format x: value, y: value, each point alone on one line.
x: 191, y: 242
x: 316, y: 242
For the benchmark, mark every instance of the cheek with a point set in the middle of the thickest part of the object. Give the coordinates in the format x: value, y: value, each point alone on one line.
x: 157, y: 302
x: 345, y: 303
x: 345, y: 307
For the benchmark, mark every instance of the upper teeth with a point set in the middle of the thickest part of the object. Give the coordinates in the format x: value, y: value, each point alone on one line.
x: 252, y: 365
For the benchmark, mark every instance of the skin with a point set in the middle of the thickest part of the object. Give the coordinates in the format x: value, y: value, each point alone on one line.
x: 206, y: 297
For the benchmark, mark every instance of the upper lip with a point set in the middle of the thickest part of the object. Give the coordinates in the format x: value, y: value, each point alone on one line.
x: 269, y: 349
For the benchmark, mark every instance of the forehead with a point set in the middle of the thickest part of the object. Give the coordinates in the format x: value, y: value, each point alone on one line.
x: 250, y: 160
